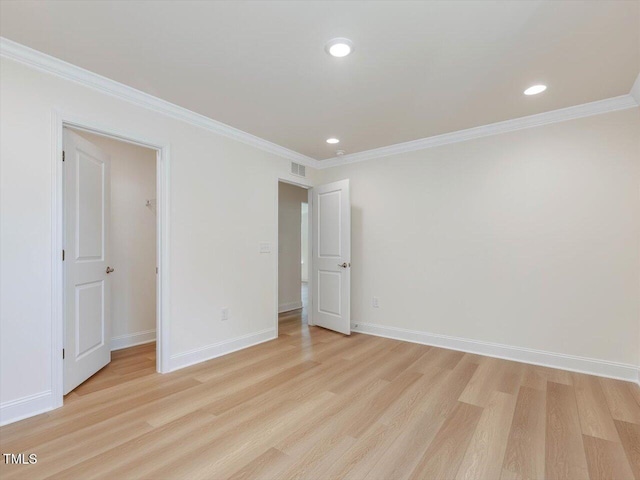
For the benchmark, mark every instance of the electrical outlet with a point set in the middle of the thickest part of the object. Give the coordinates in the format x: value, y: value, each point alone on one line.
x: 376, y: 303
x: 224, y: 314
x: 265, y: 247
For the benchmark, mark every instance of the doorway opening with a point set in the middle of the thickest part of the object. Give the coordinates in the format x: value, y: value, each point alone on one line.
x: 293, y: 258
x: 110, y: 236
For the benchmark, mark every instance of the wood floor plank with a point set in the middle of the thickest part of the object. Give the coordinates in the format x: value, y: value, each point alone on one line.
x: 369, y: 414
x: 358, y: 373
x: 564, y: 455
x: 123, y: 455
x: 630, y: 439
x: 316, y: 462
x: 407, y: 354
x: 317, y: 404
x: 409, y: 432
x: 247, y: 365
x: 218, y: 437
x: 525, y: 453
x: 606, y: 460
x: 532, y: 378
x: 492, y: 375
x: 621, y: 401
x: 75, y: 448
x: 511, y: 378
x: 635, y: 391
x: 555, y: 375
x: 363, y: 349
x: 444, y: 401
x: 265, y: 466
x: 438, y: 357
x: 221, y: 451
x: 595, y: 417
x: 331, y: 422
x: 356, y: 462
x: 225, y: 391
x: 485, y: 454
x: 226, y: 403
x: 400, y: 458
x: 100, y: 417
x: 443, y: 456
x: 406, y: 405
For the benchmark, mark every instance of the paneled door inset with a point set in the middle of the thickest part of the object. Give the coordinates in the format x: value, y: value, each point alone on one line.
x: 332, y: 256
x: 86, y: 254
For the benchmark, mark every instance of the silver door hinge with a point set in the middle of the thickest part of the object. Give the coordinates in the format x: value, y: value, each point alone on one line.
x: 63, y: 155
x: 63, y: 255
x: 63, y: 353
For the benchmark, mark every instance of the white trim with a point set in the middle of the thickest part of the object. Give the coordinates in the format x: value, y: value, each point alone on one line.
x: 562, y: 361
x: 635, y: 90
x: 163, y: 255
x: 57, y: 271
x: 25, y: 407
x: 132, y: 339
x: 310, y: 281
x: 554, y: 116
x: 41, y: 61
x: 306, y: 184
x: 202, y: 354
x: 287, y: 307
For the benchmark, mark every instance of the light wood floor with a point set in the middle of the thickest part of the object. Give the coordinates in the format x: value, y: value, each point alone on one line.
x: 315, y: 404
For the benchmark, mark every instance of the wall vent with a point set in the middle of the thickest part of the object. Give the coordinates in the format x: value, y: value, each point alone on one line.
x: 299, y: 170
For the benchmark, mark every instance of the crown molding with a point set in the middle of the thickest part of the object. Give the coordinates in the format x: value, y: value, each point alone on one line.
x: 46, y: 63
x: 554, y: 116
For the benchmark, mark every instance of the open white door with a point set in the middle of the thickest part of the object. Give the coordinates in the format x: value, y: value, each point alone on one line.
x: 86, y: 254
x: 332, y: 256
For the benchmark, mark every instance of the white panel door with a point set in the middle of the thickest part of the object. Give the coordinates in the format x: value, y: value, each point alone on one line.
x: 332, y: 256
x: 86, y: 291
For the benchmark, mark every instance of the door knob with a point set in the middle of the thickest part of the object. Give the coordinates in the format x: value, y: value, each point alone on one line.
x: 343, y: 265
x: 109, y: 270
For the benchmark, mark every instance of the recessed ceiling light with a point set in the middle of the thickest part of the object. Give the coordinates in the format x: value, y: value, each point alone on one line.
x: 339, y: 47
x: 535, y: 89
x: 332, y: 140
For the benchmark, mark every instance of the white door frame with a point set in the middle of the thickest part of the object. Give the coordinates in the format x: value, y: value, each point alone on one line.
x: 59, y: 121
x: 309, y: 188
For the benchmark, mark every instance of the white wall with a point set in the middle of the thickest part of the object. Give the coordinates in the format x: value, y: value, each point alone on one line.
x: 528, y: 239
x: 223, y: 204
x: 289, y: 246
x: 132, y: 240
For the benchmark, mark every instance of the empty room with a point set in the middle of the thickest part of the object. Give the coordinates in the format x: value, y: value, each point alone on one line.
x: 320, y: 239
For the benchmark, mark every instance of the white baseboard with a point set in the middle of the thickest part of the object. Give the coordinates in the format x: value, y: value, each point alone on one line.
x: 185, y: 359
x: 287, y: 307
x: 592, y: 366
x: 38, y: 403
x: 25, y: 407
x: 132, y: 339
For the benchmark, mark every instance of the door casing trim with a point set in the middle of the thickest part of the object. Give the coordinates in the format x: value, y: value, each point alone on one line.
x: 60, y: 120
x: 309, y: 188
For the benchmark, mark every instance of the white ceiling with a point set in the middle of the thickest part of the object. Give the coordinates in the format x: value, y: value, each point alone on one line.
x: 419, y: 68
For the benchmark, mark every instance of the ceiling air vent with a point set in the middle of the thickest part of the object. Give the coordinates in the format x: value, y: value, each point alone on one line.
x: 299, y: 170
